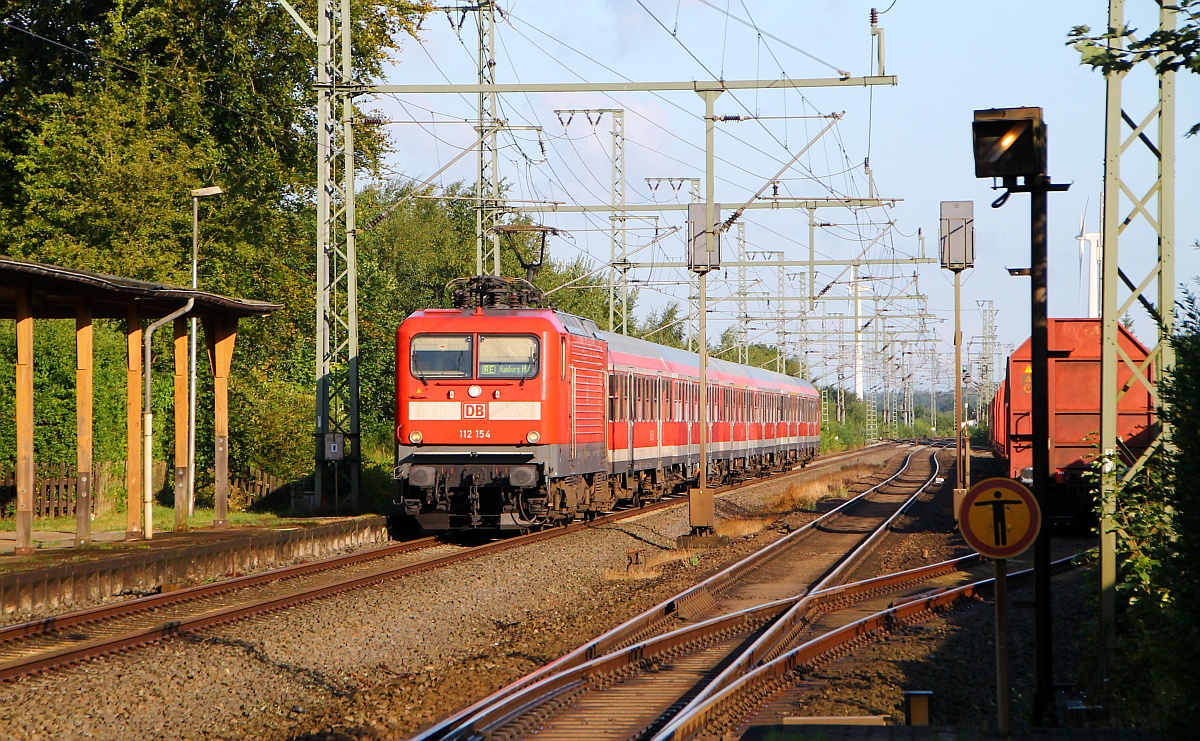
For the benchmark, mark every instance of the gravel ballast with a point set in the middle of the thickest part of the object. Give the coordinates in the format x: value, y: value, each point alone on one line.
x: 383, y: 662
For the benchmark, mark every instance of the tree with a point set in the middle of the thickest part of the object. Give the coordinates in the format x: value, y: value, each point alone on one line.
x: 1167, y: 50
x: 110, y: 113
x: 663, y: 326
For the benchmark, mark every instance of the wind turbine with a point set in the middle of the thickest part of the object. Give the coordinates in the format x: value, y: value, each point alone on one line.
x: 1089, y: 259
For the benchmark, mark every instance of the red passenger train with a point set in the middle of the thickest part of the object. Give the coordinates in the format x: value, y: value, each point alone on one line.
x: 520, y: 417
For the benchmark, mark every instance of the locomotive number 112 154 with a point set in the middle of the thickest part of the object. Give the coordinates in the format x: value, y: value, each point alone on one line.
x: 474, y: 434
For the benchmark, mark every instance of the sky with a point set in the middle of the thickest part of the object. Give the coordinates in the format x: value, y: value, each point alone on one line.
x: 950, y: 58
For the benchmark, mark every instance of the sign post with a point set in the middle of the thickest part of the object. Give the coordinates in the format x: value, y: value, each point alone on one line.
x: 1000, y: 519
x: 956, y: 238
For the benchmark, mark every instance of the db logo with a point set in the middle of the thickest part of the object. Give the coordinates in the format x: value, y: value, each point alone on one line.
x: 474, y: 411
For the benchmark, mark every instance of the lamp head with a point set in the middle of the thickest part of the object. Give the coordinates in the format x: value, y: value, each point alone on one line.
x: 1009, y: 142
x: 212, y: 190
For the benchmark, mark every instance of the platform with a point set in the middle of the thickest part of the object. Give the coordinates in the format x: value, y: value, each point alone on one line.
x: 59, y: 577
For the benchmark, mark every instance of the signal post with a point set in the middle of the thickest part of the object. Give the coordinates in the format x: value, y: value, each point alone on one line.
x: 704, y: 254
x: 957, y: 248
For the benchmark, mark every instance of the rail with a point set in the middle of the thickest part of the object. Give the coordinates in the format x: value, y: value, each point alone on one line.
x: 700, y: 715
x: 604, y: 655
x: 72, y: 650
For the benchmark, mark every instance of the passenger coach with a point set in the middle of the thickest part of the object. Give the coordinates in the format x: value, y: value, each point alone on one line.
x: 521, y: 417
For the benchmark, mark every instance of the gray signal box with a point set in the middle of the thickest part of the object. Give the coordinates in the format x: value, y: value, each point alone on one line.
x: 700, y: 260
x: 334, y: 448
x: 957, y: 235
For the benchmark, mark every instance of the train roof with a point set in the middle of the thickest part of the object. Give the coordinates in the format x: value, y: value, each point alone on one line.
x: 652, y: 356
x: 672, y: 358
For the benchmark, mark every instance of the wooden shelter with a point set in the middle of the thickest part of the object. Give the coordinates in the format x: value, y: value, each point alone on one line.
x: 30, y: 290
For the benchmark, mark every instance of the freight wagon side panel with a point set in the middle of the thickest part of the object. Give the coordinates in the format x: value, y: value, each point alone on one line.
x: 1074, y: 375
x: 1076, y: 419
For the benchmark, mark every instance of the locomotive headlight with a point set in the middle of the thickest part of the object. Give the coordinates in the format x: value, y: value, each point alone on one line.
x: 474, y: 391
x: 415, y: 437
x: 533, y: 437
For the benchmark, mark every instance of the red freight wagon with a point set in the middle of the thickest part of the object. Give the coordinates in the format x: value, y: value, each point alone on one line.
x: 998, y: 431
x: 1074, y: 373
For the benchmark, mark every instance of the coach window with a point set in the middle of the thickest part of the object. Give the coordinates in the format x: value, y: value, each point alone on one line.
x: 441, y: 356
x: 508, y: 356
x: 613, y: 403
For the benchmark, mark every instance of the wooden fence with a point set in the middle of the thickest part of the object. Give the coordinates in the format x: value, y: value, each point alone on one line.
x: 55, y: 487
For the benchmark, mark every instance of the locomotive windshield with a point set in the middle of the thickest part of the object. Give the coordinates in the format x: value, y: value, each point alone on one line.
x: 441, y: 356
x: 507, y: 356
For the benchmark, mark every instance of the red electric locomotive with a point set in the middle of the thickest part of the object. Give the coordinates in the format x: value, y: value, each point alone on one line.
x: 513, y: 417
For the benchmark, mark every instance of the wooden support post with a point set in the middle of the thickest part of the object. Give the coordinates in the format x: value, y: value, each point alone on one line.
x: 220, y: 333
x: 83, y: 424
x: 181, y: 424
x: 133, y: 421
x: 24, y: 544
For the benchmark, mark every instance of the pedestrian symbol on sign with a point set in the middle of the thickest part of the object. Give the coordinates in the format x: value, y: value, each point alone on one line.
x: 999, y: 506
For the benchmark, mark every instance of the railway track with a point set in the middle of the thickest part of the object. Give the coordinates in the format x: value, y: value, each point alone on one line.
x: 764, y: 690
x: 69, y: 638
x: 630, y: 682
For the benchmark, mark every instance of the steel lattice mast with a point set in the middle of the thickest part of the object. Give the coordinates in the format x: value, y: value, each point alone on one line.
x: 1152, y: 210
x: 487, y: 215
x: 337, y: 428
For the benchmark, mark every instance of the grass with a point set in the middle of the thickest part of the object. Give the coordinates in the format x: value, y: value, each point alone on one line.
x: 805, y: 495
x: 739, y: 527
x: 649, y: 568
x: 164, y: 520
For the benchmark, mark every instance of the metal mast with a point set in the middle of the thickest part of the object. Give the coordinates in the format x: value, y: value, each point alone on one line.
x: 742, y: 327
x: 487, y: 241
x: 1152, y: 214
x: 618, y: 265
x: 617, y: 221
x: 987, y: 359
x: 781, y: 326
x: 337, y: 439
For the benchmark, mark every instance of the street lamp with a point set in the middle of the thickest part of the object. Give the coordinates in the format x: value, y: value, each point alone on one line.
x: 1010, y: 143
x: 197, y: 194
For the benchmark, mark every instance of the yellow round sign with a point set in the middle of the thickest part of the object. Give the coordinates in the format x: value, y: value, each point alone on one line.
x: 999, y: 518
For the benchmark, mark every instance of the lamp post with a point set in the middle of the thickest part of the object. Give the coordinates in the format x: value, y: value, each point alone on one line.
x: 1010, y: 143
x: 197, y: 194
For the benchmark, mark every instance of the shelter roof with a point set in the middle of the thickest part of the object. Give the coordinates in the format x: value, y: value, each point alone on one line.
x: 55, y: 293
